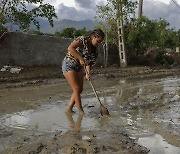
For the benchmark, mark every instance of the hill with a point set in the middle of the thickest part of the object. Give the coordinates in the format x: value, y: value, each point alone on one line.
x: 60, y: 25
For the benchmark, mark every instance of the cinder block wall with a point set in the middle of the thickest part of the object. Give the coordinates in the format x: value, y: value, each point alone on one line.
x: 30, y: 50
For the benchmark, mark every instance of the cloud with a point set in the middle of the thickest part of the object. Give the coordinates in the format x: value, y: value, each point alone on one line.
x: 85, y: 4
x: 90, y: 4
x: 51, y: 1
x: 65, y: 12
x: 81, y: 11
x: 152, y: 9
x: 156, y: 10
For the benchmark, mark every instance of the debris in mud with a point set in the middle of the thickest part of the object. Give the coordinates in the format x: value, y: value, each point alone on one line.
x: 87, y: 138
x: 91, y: 106
x: 5, y: 133
x: 76, y: 149
x: 11, y: 69
x: 72, y: 142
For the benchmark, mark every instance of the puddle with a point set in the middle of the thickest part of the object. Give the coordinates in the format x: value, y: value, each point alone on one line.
x: 49, y: 118
x: 157, y: 145
x: 154, y: 142
x: 115, y: 95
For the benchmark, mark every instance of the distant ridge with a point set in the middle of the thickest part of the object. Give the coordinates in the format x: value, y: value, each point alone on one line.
x: 58, y: 25
x: 65, y: 23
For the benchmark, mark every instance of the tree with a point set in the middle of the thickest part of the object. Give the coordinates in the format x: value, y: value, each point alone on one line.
x: 178, y: 38
x: 72, y: 32
x: 68, y: 32
x: 145, y: 34
x: 114, y: 13
x: 105, y: 42
x: 25, y: 12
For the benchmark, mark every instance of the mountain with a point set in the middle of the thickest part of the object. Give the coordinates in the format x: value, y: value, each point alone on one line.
x: 60, y: 25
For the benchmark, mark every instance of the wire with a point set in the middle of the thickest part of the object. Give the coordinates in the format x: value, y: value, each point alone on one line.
x: 174, y: 1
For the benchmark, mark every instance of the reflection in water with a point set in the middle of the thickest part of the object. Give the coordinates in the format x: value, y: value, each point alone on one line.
x: 156, y: 144
x: 49, y: 118
x: 72, y: 124
x: 143, y: 89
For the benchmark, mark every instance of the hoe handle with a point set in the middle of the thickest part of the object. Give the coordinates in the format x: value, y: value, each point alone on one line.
x: 93, y: 87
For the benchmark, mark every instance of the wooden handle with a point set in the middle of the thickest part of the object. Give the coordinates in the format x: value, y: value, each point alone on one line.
x: 95, y: 92
x: 93, y: 87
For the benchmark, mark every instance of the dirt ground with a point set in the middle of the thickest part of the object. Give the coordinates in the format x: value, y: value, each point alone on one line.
x: 49, y: 74
x: 115, y: 139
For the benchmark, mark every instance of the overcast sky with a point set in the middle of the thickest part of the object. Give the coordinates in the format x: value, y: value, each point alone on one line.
x: 86, y: 9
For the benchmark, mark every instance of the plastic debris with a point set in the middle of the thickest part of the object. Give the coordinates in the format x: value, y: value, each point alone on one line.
x: 5, y: 68
x: 11, y: 69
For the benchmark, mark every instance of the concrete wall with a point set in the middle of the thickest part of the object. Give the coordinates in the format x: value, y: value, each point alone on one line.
x: 29, y: 50
x: 19, y: 49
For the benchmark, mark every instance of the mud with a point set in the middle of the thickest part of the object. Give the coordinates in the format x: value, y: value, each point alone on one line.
x: 143, y: 103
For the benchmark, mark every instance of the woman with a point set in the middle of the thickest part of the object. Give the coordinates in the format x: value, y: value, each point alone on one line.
x: 81, y: 53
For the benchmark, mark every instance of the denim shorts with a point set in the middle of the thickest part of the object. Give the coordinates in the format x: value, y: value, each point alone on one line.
x: 67, y: 65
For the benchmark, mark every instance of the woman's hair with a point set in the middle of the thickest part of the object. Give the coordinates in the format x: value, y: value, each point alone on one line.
x: 97, y: 33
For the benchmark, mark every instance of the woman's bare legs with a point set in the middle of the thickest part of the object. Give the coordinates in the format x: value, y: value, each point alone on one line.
x: 75, y: 80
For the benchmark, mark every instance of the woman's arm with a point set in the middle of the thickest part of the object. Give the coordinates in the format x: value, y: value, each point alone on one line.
x: 88, y: 72
x: 92, y: 62
x: 88, y: 68
x: 72, y: 49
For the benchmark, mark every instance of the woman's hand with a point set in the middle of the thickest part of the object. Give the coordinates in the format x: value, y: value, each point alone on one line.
x: 88, y: 76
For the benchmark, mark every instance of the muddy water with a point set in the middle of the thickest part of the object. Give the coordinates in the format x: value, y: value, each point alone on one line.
x: 148, y: 109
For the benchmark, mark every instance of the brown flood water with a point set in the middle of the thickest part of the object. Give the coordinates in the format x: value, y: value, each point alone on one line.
x: 148, y: 109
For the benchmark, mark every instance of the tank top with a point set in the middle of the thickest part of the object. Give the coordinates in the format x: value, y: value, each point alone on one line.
x: 90, y: 58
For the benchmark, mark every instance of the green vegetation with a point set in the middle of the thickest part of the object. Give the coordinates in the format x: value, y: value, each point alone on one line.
x: 17, y: 12
x: 35, y: 32
x: 72, y: 33
x: 145, y: 34
x: 140, y: 35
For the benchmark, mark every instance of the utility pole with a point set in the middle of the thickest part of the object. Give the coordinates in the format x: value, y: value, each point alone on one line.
x: 140, y: 9
x: 106, y: 51
x: 122, y: 52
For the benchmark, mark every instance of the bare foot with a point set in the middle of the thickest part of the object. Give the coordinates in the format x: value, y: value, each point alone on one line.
x: 69, y: 111
x: 81, y: 112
